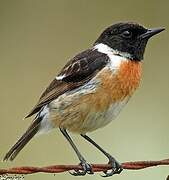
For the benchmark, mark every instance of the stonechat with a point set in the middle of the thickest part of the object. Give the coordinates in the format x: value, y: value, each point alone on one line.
x: 91, y: 90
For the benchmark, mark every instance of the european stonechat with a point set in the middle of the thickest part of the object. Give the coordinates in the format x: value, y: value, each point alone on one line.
x: 91, y: 90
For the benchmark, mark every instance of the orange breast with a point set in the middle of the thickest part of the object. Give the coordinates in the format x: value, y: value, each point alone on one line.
x: 124, y: 82
x: 115, y: 86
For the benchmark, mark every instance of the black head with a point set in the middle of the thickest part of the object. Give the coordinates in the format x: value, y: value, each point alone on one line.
x: 127, y: 38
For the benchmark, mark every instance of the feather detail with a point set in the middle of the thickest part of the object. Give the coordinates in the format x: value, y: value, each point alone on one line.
x: 25, y: 138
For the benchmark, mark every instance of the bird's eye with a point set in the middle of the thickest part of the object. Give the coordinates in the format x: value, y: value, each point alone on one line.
x: 127, y: 34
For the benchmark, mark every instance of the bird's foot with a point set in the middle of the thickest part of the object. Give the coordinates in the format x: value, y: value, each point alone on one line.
x: 87, y: 169
x: 116, y: 168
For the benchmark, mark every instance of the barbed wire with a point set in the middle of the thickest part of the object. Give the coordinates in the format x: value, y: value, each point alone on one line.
x: 95, y: 167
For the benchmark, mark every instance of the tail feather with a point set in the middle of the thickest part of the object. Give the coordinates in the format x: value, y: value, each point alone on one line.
x: 25, y: 138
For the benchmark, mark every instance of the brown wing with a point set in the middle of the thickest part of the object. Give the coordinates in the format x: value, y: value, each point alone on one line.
x: 77, y: 71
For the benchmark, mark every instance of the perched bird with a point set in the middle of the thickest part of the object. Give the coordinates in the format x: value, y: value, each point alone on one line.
x: 91, y: 90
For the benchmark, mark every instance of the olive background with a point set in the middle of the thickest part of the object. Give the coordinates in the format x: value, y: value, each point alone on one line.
x: 37, y: 37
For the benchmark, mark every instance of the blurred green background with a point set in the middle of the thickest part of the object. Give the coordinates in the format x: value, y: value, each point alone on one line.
x: 37, y: 37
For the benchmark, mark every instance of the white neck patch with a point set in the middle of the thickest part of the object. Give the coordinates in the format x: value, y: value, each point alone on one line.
x: 103, y: 48
x: 114, y: 55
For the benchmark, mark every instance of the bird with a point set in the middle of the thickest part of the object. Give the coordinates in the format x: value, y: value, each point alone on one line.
x: 91, y: 90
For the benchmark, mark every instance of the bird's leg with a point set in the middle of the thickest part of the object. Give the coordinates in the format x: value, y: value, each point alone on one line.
x: 116, y: 167
x: 86, y: 167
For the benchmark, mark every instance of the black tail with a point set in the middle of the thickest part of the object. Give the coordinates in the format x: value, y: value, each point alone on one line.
x: 26, y: 137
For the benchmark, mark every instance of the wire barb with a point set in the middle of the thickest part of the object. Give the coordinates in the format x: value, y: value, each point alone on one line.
x: 95, y: 167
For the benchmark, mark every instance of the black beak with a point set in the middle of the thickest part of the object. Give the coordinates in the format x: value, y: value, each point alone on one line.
x: 151, y: 32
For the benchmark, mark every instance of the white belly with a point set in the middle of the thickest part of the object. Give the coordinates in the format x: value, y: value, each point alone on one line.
x: 100, y: 119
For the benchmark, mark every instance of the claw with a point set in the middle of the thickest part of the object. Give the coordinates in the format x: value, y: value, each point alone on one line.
x: 116, y: 168
x: 87, y: 168
x: 78, y: 173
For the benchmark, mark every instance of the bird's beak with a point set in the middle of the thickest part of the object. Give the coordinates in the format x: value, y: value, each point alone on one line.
x: 151, y: 32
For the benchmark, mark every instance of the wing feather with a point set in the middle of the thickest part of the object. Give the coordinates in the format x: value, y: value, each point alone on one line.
x: 76, y: 73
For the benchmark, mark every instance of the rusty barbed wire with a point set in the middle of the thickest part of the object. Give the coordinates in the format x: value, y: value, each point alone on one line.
x: 96, y: 167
